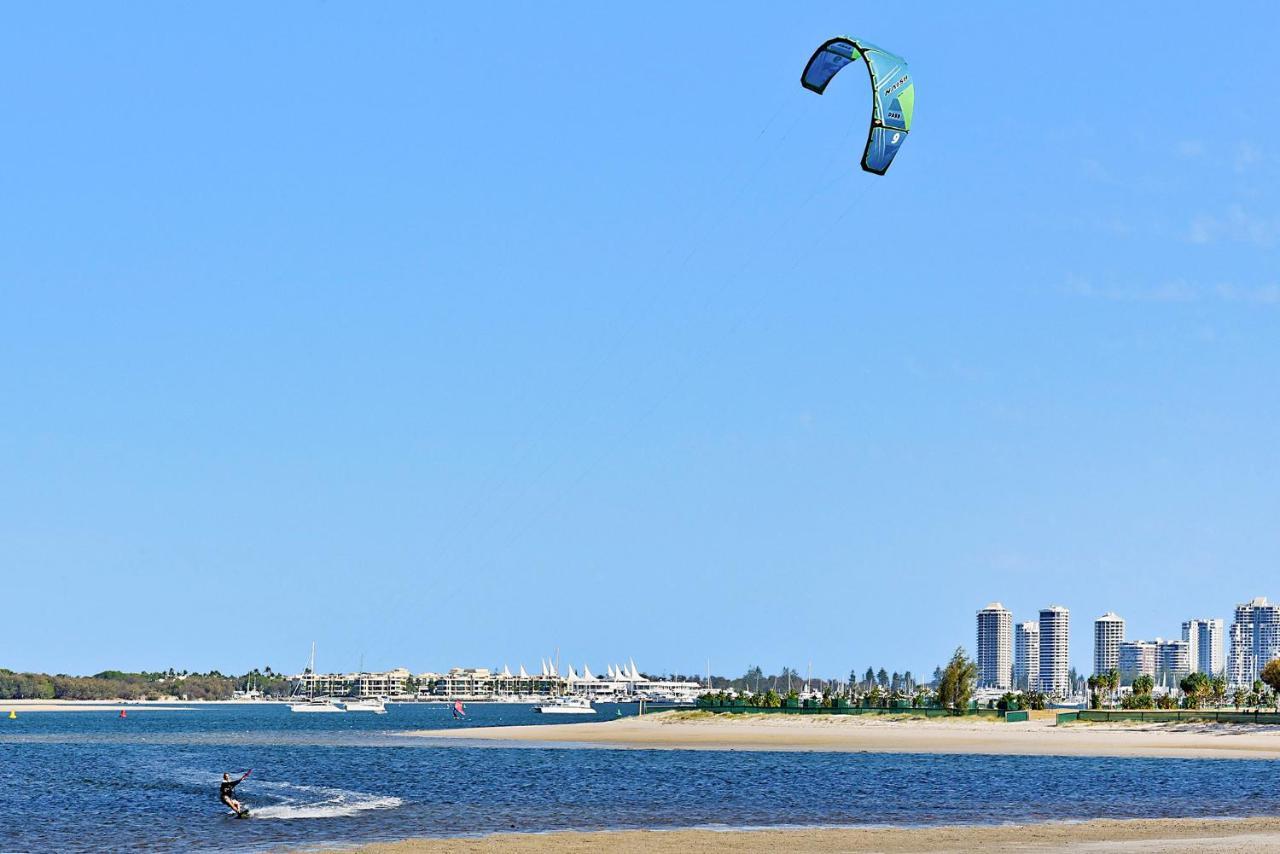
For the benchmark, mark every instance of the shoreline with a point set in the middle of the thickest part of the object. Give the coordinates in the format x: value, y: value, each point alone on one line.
x: 706, y: 731
x: 1149, y: 835
x: 38, y: 706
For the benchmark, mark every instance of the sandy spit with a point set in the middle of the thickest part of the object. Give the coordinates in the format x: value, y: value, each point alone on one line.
x: 1146, y: 835
x: 705, y: 731
x: 22, y: 707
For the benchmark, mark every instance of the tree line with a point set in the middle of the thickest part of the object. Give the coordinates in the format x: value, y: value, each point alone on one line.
x: 1198, y: 690
x: 789, y: 679
x: 952, y: 687
x: 120, y: 685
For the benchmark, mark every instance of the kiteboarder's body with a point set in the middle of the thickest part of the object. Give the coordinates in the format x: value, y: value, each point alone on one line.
x: 226, y: 792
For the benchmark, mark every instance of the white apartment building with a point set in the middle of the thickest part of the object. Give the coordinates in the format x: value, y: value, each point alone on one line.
x: 1136, y: 658
x: 1255, y: 640
x: 391, y: 683
x: 995, y: 647
x: 1108, y: 634
x: 1055, y: 654
x: 1026, y: 655
x: 1173, y: 661
x: 1204, y: 645
x: 1266, y: 635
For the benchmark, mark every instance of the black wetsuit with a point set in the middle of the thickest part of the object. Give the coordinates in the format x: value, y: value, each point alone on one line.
x: 227, y: 790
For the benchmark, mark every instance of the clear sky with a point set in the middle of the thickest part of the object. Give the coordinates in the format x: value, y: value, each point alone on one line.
x: 456, y: 336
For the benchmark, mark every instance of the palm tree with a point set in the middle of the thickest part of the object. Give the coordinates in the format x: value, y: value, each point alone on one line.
x: 1218, y: 688
x: 1195, y: 687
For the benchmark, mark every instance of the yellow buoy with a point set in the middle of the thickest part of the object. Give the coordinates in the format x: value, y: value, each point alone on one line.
x: 12, y: 714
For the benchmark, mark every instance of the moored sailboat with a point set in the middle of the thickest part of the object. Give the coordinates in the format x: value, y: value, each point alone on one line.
x: 306, y: 701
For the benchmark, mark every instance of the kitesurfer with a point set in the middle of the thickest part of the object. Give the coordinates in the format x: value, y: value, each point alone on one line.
x: 227, y: 789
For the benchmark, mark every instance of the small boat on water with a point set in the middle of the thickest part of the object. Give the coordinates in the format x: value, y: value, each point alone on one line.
x: 373, y: 705
x: 566, y: 706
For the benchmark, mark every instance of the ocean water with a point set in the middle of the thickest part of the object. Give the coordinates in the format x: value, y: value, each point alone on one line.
x: 88, y: 781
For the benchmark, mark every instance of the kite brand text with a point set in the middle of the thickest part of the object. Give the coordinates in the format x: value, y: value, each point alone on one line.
x: 901, y: 81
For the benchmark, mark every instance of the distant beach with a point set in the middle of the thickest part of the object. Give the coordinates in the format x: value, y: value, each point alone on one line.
x: 1040, y: 737
x: 27, y: 706
x: 1148, y: 835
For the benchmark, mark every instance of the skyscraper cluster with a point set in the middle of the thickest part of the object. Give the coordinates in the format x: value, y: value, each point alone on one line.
x: 1165, y: 660
x: 1255, y: 640
x: 1032, y: 655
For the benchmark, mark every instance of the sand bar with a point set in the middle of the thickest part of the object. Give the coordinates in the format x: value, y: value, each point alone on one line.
x: 22, y: 707
x: 705, y: 731
x: 1147, y: 835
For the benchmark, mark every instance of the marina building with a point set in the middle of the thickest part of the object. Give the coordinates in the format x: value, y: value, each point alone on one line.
x: 392, y: 683
x: 1108, y: 634
x: 1026, y: 656
x: 1055, y: 654
x: 480, y: 684
x: 1204, y: 645
x: 995, y: 647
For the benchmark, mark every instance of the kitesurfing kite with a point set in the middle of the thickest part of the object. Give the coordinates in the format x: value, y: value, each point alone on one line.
x: 892, y: 90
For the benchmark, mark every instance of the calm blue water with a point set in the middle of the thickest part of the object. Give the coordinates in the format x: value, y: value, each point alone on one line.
x: 87, y: 781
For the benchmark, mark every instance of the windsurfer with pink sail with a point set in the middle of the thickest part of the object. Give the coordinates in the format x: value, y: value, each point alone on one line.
x: 459, y: 710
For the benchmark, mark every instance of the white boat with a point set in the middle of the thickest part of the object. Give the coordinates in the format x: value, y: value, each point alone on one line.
x: 374, y: 705
x: 316, y: 704
x: 306, y: 702
x: 566, y: 706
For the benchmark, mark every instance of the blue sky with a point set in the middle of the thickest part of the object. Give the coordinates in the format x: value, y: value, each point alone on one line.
x: 456, y: 337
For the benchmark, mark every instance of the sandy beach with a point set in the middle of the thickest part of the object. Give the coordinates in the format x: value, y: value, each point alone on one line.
x: 706, y: 731
x: 23, y: 707
x: 1162, y: 835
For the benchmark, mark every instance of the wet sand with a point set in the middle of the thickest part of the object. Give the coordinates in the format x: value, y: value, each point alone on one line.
x: 705, y: 731
x: 1146, y: 835
x: 23, y: 707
